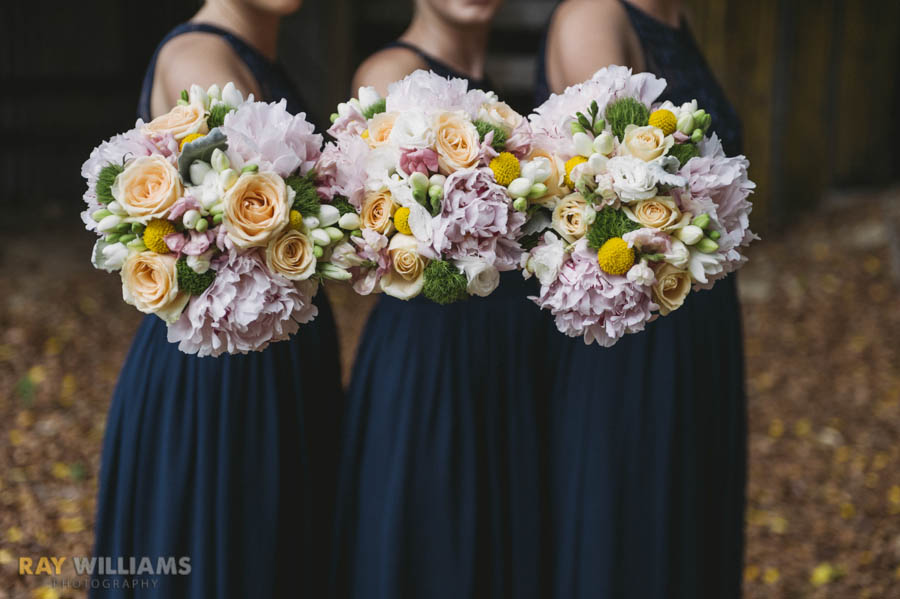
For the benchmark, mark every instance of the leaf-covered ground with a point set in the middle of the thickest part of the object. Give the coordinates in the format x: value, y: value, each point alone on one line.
x: 822, y: 325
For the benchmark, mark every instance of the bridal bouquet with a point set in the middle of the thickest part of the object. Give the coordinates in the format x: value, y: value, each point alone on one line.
x: 427, y: 176
x: 642, y: 205
x: 211, y: 216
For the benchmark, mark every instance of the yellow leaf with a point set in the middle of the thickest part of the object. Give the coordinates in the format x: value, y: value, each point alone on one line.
x: 14, y: 534
x: 44, y: 592
x: 776, y: 428
x: 778, y: 524
x: 16, y: 437
x: 802, y: 428
x: 894, y: 495
x: 5, y: 557
x: 51, y: 347
x: 751, y: 573
x: 71, y: 524
x: 821, y: 574
x: 847, y: 511
x: 37, y: 374
x: 60, y: 471
x: 771, y: 575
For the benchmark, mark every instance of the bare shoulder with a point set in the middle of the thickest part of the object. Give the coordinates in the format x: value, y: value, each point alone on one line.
x: 586, y: 35
x: 198, y: 58
x: 386, y: 66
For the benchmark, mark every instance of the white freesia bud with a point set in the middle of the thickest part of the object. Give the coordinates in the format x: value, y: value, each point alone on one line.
x: 437, y: 180
x: 198, y: 171
x: 686, y: 123
x: 190, y: 219
x: 199, y: 264
x: 198, y: 95
x: 231, y: 96
x: 678, y: 255
x: 603, y: 143
x: 334, y: 234
x: 538, y: 190
x: 108, y: 223
x: 116, y: 208
x: 114, y: 256
x: 219, y: 160
x: 344, y: 255
x: 349, y: 221
x: 335, y: 273
x: 537, y: 169
x: 311, y: 222
x: 520, y: 205
x: 419, y: 183
x: 597, y: 163
x: 202, y: 225
x: 328, y: 215
x: 689, y: 234
x: 584, y: 144
x: 136, y: 245
x: 367, y: 96
x: 590, y: 215
x: 227, y: 178
x: 320, y: 237
x: 214, y: 92
x: 520, y: 187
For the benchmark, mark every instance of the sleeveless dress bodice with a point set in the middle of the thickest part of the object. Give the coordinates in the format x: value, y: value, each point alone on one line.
x: 228, y: 461
x: 647, y: 439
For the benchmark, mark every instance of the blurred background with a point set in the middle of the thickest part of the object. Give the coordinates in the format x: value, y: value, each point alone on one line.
x: 816, y: 83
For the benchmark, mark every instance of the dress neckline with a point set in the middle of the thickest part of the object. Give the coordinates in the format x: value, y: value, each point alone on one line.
x: 680, y: 29
x: 439, y: 66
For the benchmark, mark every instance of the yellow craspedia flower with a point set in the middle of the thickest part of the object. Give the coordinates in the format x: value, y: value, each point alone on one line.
x: 401, y: 220
x: 664, y: 119
x: 571, y: 163
x: 615, y: 257
x: 296, y: 220
x: 506, y: 168
x: 155, y: 235
x: 188, y: 139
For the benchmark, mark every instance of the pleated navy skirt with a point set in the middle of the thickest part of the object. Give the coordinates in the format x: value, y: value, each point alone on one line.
x: 441, y: 480
x: 647, y: 458
x: 228, y: 461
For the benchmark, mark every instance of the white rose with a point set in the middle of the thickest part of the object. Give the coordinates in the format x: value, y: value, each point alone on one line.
x: 547, y: 258
x: 483, y: 277
x: 632, y: 179
x: 411, y: 130
x: 641, y: 274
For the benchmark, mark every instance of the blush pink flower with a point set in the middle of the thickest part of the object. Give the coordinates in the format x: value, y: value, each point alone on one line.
x: 414, y: 160
x: 246, y: 308
x: 585, y: 301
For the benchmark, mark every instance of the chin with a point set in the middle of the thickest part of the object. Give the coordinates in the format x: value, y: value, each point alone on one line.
x: 278, y: 7
x: 468, y: 12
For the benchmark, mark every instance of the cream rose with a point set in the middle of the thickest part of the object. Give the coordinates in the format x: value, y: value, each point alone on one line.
x: 380, y: 128
x: 660, y: 212
x: 181, y: 121
x: 501, y: 115
x: 147, y: 188
x: 150, y: 284
x: 377, y: 210
x: 556, y: 181
x: 256, y: 208
x: 407, y: 274
x: 647, y: 143
x: 290, y: 254
x: 456, y: 142
x: 671, y: 287
x: 569, y: 217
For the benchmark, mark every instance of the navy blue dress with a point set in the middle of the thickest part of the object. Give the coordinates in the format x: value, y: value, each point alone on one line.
x: 648, y: 438
x: 228, y: 461
x: 440, y: 484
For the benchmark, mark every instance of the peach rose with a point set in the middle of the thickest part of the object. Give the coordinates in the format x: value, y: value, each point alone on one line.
x: 647, y: 143
x: 150, y: 284
x: 256, y: 208
x: 456, y: 142
x: 407, y: 274
x: 147, y: 188
x: 671, y: 287
x: 568, y: 217
x: 556, y: 181
x: 660, y: 212
x: 380, y: 128
x: 377, y: 210
x: 181, y: 121
x: 290, y: 254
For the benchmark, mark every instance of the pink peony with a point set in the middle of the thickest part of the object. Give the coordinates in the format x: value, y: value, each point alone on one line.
x: 246, y: 308
x: 586, y: 301
x: 351, y: 124
x: 272, y: 138
x: 477, y: 220
x: 718, y: 185
x: 341, y: 170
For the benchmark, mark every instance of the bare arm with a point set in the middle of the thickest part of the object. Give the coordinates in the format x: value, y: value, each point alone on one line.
x: 587, y: 35
x: 384, y: 67
x: 197, y: 58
